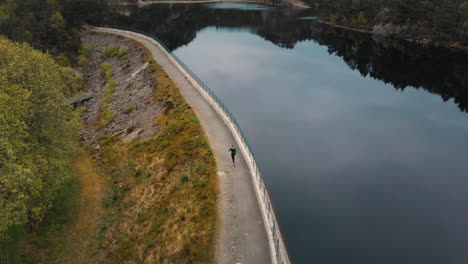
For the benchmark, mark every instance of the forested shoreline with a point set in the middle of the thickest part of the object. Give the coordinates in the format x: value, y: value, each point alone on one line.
x: 428, y: 22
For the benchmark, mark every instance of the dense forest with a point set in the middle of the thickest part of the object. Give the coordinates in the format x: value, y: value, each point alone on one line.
x: 38, y: 130
x: 433, y: 21
x: 50, y: 25
x: 428, y: 22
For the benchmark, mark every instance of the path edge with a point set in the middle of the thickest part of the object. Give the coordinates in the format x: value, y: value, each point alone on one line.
x: 278, y: 252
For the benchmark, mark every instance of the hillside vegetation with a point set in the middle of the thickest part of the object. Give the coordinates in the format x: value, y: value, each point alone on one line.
x: 160, y: 201
x: 142, y: 187
x: 443, y: 21
x: 143, y: 190
x: 38, y: 132
x: 50, y: 25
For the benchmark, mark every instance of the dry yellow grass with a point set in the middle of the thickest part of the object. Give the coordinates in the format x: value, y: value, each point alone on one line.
x: 161, y: 201
x: 147, y: 201
x: 79, y: 234
x: 68, y: 235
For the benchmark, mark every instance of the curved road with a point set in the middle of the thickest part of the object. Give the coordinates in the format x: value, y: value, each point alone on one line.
x: 242, y: 237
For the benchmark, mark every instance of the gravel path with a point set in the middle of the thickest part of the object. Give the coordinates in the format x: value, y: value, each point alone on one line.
x: 242, y: 236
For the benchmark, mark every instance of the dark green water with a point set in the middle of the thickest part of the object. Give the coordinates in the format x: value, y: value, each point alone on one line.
x: 362, y: 141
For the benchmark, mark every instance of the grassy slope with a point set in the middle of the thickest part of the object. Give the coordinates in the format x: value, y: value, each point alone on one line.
x: 161, y: 201
x: 58, y: 235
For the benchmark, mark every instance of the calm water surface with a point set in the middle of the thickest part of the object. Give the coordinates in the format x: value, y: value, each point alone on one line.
x: 362, y: 142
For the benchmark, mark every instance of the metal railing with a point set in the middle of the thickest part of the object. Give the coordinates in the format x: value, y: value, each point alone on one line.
x: 277, y: 247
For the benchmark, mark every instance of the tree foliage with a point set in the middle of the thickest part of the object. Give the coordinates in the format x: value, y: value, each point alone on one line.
x: 37, y: 133
x: 49, y: 24
x: 437, y: 19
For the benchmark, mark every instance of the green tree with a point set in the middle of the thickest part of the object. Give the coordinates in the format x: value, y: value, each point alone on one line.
x: 37, y: 133
x: 57, y: 27
x: 6, y: 10
x: 361, y: 19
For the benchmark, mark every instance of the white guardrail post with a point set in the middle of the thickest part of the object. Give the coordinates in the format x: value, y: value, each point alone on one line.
x: 278, y: 252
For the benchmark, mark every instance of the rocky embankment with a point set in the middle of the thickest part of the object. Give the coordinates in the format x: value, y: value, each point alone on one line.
x: 131, y: 102
x: 159, y: 173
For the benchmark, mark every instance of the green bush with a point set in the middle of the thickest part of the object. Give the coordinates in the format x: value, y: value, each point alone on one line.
x: 362, y: 18
x: 111, y: 51
x: 83, y: 61
x: 130, y: 129
x: 57, y: 21
x: 85, y: 50
x: 129, y: 109
x: 64, y: 61
x: 122, y: 52
x: 108, y: 91
x: 184, y: 178
x: 106, y: 70
x: 107, y: 115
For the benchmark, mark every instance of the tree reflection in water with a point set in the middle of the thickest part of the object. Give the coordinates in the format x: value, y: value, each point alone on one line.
x: 438, y: 70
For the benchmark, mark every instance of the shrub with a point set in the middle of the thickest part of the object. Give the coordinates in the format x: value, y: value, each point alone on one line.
x: 111, y: 51
x: 361, y: 19
x: 130, y: 129
x: 83, y: 61
x: 129, y: 109
x: 85, y: 50
x: 108, y: 91
x: 122, y: 52
x: 183, y: 178
x: 64, y: 61
x: 107, y: 113
x: 107, y: 116
x: 106, y: 70
x: 57, y: 21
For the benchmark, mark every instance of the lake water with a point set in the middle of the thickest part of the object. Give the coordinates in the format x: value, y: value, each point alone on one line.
x: 362, y: 141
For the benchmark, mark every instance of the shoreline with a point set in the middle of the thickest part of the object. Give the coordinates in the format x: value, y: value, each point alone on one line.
x: 452, y: 47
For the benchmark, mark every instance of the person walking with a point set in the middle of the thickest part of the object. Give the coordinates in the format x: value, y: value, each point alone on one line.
x: 233, y: 155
